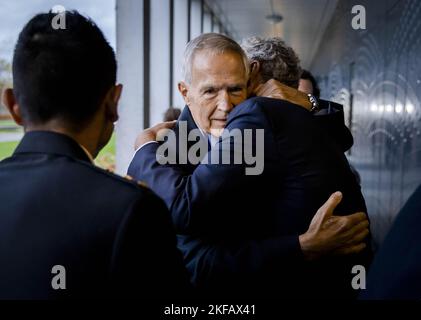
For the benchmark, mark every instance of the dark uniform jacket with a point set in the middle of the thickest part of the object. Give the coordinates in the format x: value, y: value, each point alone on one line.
x: 113, y: 237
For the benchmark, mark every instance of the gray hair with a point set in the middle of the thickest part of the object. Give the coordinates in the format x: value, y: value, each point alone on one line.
x: 277, y: 60
x: 214, y: 43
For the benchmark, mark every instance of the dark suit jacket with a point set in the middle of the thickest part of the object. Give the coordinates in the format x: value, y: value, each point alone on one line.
x: 113, y: 237
x: 241, y: 232
x: 396, y: 269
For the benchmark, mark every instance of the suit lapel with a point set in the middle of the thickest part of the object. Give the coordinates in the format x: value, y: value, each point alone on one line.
x: 189, y: 122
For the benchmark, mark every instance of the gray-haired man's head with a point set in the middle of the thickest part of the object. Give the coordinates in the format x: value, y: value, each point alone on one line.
x: 211, y: 43
x: 215, y: 74
x: 275, y: 59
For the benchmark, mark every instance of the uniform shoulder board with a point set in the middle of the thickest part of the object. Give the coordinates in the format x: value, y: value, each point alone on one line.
x: 127, y: 177
x: 140, y: 183
x: 143, y: 184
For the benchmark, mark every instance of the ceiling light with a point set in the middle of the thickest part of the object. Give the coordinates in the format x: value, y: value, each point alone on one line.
x: 274, y: 18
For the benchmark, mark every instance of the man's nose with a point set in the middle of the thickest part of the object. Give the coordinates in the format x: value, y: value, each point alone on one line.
x: 224, y: 102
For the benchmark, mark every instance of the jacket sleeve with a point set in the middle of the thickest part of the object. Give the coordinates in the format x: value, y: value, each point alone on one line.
x: 232, y: 265
x: 187, y: 195
x: 331, y: 117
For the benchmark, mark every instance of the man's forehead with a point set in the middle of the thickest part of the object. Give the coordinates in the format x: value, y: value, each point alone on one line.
x: 203, y: 59
x: 214, y: 81
x: 228, y: 64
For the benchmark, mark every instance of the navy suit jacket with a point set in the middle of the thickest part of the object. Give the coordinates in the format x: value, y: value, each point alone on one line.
x: 113, y: 237
x: 396, y: 269
x: 240, y: 233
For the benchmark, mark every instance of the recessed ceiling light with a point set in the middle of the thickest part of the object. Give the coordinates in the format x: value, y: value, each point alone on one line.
x: 274, y: 18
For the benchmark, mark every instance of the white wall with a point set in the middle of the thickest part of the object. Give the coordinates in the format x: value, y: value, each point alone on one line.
x: 159, y: 60
x: 195, y: 18
x: 129, y: 25
x: 207, y: 22
x: 180, y: 41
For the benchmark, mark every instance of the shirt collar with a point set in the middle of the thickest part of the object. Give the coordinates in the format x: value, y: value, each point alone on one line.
x: 211, y: 139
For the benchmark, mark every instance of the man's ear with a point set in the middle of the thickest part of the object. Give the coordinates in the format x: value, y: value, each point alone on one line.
x: 113, y: 98
x: 184, y: 89
x: 9, y: 101
x: 118, y: 89
x: 254, y: 77
x: 254, y: 69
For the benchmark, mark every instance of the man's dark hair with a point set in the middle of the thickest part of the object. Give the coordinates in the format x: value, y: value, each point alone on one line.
x: 62, y: 74
x: 306, y: 75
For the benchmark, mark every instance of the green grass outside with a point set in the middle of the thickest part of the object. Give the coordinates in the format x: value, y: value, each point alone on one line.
x: 105, y: 159
x: 109, y: 148
x: 9, y: 126
x: 7, y: 123
x: 7, y: 148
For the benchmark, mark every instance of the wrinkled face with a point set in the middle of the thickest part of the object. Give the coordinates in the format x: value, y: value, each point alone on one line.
x: 219, y: 83
x: 305, y: 86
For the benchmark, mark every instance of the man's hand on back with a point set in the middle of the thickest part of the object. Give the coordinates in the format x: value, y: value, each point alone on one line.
x: 276, y: 90
x: 334, y: 234
x: 153, y: 133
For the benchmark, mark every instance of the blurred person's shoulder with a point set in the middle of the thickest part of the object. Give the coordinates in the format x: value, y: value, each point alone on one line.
x: 114, y: 180
x: 116, y: 192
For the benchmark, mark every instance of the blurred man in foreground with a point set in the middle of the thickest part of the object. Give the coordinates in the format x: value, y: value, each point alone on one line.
x: 69, y: 229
